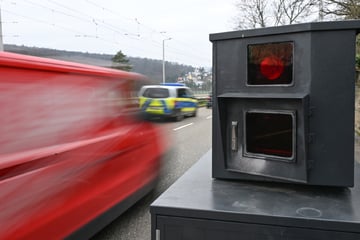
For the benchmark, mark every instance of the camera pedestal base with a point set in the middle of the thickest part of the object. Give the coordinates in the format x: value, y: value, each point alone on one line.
x: 199, y: 207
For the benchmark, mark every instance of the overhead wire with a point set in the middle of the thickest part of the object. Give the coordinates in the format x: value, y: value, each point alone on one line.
x: 77, y: 33
x: 192, y: 50
x: 140, y: 35
x: 42, y: 21
x: 74, y: 31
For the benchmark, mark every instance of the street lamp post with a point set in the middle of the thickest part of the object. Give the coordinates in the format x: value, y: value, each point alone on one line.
x: 163, y: 61
x: 1, y: 34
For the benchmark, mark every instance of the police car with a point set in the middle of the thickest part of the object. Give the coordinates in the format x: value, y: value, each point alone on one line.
x: 171, y: 100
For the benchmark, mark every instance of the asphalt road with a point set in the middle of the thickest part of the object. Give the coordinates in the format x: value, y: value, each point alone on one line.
x: 190, y: 139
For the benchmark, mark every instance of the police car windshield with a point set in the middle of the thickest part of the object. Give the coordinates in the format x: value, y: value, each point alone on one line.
x: 156, y: 93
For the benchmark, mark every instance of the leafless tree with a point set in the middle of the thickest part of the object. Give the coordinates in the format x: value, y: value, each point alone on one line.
x: 342, y: 9
x: 297, y: 10
x: 264, y: 13
x: 252, y: 13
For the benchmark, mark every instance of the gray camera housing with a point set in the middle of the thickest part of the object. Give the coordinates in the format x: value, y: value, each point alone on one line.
x: 318, y: 103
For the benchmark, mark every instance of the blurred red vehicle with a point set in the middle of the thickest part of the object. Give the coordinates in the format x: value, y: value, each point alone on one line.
x: 73, y: 154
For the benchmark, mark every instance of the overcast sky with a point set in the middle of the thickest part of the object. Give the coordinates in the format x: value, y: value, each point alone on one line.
x: 136, y: 27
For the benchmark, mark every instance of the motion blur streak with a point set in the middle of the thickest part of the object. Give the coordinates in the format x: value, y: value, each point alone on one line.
x: 71, y: 145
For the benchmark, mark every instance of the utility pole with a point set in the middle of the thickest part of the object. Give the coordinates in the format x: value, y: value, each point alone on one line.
x: 163, y: 60
x: 321, y: 10
x: 1, y: 34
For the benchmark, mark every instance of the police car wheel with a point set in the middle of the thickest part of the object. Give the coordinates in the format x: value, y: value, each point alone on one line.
x: 178, y: 117
x: 194, y: 113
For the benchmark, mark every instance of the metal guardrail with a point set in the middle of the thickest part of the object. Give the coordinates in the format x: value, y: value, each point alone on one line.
x: 202, y: 98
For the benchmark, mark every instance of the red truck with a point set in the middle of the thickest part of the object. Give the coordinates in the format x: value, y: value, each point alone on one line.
x: 73, y: 153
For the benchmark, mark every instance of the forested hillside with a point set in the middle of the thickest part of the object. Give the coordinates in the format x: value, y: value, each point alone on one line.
x: 149, y: 67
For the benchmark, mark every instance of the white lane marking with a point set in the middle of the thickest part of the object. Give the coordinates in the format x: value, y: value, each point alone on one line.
x: 184, y: 126
x: 209, y: 117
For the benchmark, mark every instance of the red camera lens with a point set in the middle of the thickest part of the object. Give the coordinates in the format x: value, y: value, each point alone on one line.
x: 270, y: 64
x: 272, y: 67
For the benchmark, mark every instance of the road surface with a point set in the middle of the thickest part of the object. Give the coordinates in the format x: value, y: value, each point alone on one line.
x: 190, y: 139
